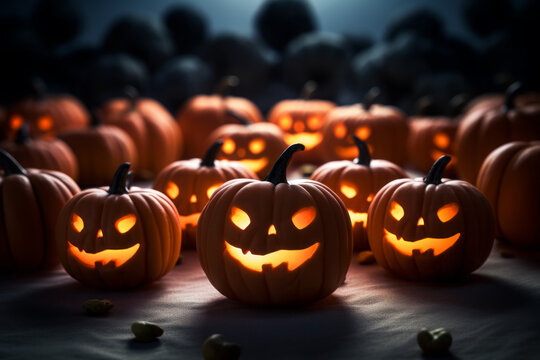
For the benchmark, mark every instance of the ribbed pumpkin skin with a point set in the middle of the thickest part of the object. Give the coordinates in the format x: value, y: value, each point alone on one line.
x: 203, y: 114
x: 474, y: 222
x: 153, y: 130
x: 268, y: 204
x: 157, y: 230
x: 50, y: 154
x: 66, y: 113
x: 423, y: 148
x: 367, y: 180
x: 99, y: 152
x: 482, y: 131
x: 300, y: 110
x: 510, y: 179
x: 242, y: 135
x: 387, y: 128
x: 30, y: 206
x: 193, y: 179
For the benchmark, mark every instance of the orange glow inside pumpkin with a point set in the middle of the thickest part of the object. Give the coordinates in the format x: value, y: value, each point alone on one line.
x: 438, y: 245
x: 363, y: 132
x: 441, y: 140
x: 99, y: 234
x: 293, y: 258
x: 256, y: 146
x: 117, y: 256
x: 358, y: 217
x: 314, y: 122
x: 396, y: 211
x: 45, y: 123
x: 240, y: 218
x: 228, y: 146
x: 303, y: 217
x: 172, y: 190
x: 272, y: 230
x: 255, y: 165
x: 309, y: 140
x: 193, y: 199
x: 190, y: 220
x: 299, y: 126
x: 212, y: 189
x: 447, y: 212
x: 125, y: 223
x: 285, y: 122
x: 77, y: 223
x: 349, y: 191
x: 16, y: 122
x: 420, y: 221
x: 340, y: 131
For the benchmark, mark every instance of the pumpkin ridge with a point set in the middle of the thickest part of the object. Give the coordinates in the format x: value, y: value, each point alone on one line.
x: 10, y: 257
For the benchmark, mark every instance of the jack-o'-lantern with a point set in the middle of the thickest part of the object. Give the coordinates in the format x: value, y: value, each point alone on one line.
x: 99, y: 150
x: 429, y: 139
x: 46, y: 114
x: 203, y: 114
x: 118, y: 237
x: 256, y: 146
x: 191, y: 183
x: 302, y: 121
x: 275, y: 242
x: 431, y: 228
x: 383, y: 128
x: 509, y: 178
x: 153, y: 130
x: 31, y: 203
x: 356, y: 182
x: 483, y: 130
x: 51, y: 153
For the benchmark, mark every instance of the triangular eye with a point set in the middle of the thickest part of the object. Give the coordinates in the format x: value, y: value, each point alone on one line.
x: 303, y: 217
x: 77, y: 223
x: 447, y: 212
x: 228, y: 146
x: 240, y: 218
x: 396, y: 211
x: 172, y: 190
x: 125, y: 223
x: 348, y: 190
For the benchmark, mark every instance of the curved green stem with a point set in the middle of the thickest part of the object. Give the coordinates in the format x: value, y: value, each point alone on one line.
x: 278, y: 173
x: 510, y: 100
x: 434, y: 175
x: 10, y: 165
x: 121, y: 180
x: 210, y: 157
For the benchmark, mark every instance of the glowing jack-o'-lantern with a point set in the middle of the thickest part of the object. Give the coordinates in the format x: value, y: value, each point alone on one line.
x: 191, y: 183
x: 256, y: 146
x: 118, y: 237
x: 275, y: 242
x: 356, y: 182
x: 383, y: 128
x: 429, y: 139
x: 302, y: 121
x: 510, y: 178
x: 431, y: 228
x: 31, y: 203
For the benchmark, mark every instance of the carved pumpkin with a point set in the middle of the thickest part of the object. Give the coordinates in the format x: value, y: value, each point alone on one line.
x: 203, y: 114
x: 272, y: 242
x: 431, y: 228
x: 482, y: 131
x: 118, y: 237
x: 301, y: 121
x: 383, y: 128
x: 429, y: 139
x: 256, y: 146
x: 356, y: 182
x: 50, y: 154
x: 509, y: 178
x: 153, y: 130
x: 31, y: 202
x: 46, y: 114
x: 190, y: 183
x: 99, y: 150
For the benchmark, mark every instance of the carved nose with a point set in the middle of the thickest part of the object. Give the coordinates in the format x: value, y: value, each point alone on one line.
x: 100, y: 233
x: 420, y: 221
x: 193, y: 199
x: 241, y: 152
x: 272, y: 230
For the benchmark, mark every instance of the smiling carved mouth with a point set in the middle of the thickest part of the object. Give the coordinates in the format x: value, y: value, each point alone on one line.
x: 254, y: 165
x: 293, y: 258
x: 357, y: 217
x: 309, y: 140
x: 189, y: 220
x: 438, y: 245
x: 118, y: 256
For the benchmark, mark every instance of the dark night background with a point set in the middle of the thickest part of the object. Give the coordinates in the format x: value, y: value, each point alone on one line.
x: 423, y: 54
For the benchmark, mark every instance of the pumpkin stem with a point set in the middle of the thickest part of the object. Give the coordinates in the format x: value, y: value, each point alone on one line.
x: 132, y: 94
x: 513, y: 90
x: 224, y: 87
x: 10, y: 165
x: 210, y: 156
x: 308, y: 90
x: 241, y: 118
x: 121, y: 180
x: 371, y: 97
x: 23, y: 135
x: 278, y: 173
x: 434, y: 175
x: 364, y: 157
